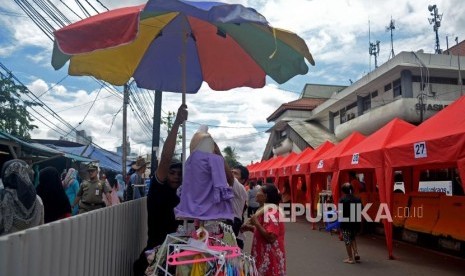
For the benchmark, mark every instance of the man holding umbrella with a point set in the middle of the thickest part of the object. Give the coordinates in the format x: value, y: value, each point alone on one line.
x: 162, y: 197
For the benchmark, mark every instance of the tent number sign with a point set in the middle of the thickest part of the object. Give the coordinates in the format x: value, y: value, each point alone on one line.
x: 355, y: 158
x: 320, y: 164
x: 420, y: 150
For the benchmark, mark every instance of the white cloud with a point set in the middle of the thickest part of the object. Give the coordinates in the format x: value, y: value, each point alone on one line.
x: 335, y: 31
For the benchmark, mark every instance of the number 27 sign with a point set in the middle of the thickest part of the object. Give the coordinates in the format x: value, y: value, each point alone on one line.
x: 420, y: 150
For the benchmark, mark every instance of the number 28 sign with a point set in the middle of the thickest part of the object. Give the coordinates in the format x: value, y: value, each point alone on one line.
x: 420, y: 150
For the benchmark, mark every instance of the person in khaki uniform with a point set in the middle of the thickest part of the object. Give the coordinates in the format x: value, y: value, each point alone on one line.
x: 91, y: 192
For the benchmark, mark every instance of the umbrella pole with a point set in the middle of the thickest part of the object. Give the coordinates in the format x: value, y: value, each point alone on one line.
x: 183, y: 135
x: 184, y: 88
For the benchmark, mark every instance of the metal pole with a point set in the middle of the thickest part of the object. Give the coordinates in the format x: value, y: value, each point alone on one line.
x: 438, y: 49
x: 184, y: 90
x: 125, y: 114
x: 458, y: 61
x: 156, y: 131
x: 421, y: 106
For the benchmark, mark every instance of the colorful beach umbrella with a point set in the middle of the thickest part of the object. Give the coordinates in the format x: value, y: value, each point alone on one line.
x: 172, y: 45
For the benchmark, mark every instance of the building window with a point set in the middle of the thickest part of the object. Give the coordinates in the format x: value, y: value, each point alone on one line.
x: 387, y: 87
x: 352, y: 105
x: 343, y: 117
x: 366, y: 103
x: 397, y: 88
x: 374, y: 94
x: 438, y: 80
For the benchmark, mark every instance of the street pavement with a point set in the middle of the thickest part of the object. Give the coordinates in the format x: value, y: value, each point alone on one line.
x: 313, y: 252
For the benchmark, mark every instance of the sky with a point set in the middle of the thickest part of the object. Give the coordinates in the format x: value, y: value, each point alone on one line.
x: 336, y: 32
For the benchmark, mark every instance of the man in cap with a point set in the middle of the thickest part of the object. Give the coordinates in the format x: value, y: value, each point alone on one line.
x: 136, y: 181
x: 91, y: 191
x: 162, y: 198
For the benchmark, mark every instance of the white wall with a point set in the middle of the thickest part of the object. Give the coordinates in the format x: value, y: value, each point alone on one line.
x: 102, y: 242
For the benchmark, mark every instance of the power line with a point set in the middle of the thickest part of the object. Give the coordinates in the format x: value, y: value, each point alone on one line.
x: 9, y: 13
x: 32, y: 14
x: 114, y: 117
x: 98, y: 1
x: 51, y: 87
x: 86, y: 103
x: 220, y: 126
x: 44, y: 106
x: 71, y: 9
x: 139, y: 111
x: 85, y: 116
x: 83, y: 9
x: 87, y: 1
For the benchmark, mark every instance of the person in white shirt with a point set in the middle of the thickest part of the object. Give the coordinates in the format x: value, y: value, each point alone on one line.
x: 241, y: 174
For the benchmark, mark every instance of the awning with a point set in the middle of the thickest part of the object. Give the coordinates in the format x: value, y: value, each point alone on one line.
x: 78, y: 158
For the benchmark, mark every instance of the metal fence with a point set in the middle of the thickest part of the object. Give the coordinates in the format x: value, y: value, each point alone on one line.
x: 102, y: 242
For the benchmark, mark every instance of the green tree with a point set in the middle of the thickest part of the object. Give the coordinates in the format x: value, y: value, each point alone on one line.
x: 230, y: 156
x: 14, y: 117
x: 168, y: 122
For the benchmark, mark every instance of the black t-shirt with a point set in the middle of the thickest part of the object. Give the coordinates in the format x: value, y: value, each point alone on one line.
x: 347, y: 201
x: 161, y: 201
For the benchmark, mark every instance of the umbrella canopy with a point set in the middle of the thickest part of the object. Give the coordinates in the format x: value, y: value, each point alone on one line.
x: 172, y: 45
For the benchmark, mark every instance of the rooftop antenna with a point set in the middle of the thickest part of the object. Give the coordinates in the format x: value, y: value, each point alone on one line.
x: 391, y: 28
x: 369, y: 45
x: 436, y: 22
x: 373, y: 49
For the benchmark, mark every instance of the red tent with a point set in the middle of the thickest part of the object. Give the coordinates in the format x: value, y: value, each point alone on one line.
x: 308, y: 158
x: 264, y: 171
x: 440, y: 139
x: 327, y: 162
x: 297, y: 167
x: 251, y: 169
x: 254, y: 168
x: 279, y: 171
x: 369, y: 155
x: 439, y: 142
x: 301, y: 190
x: 285, y: 169
x: 274, y: 168
x: 257, y: 170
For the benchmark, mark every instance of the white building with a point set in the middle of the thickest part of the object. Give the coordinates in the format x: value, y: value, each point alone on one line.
x: 412, y: 86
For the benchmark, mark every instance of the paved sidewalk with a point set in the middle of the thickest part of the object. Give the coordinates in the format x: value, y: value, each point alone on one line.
x: 313, y: 252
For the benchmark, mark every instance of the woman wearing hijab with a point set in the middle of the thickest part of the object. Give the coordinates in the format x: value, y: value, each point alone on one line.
x: 20, y: 206
x: 121, y: 187
x: 50, y: 189
x: 71, y: 187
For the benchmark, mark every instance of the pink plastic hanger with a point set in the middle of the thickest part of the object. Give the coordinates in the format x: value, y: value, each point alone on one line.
x: 195, y: 247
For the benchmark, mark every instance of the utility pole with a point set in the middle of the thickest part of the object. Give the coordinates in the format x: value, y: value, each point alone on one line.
x: 125, y: 119
x: 156, y: 131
